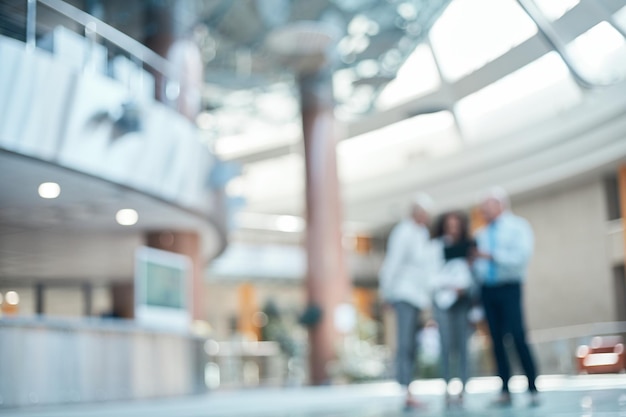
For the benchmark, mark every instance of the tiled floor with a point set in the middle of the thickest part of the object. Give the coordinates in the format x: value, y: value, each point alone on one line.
x: 582, y: 396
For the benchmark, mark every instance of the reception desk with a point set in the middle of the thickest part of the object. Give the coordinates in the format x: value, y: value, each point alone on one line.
x: 54, y: 361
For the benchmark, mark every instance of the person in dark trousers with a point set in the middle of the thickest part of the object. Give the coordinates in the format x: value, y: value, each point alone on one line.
x: 405, y: 285
x: 504, y: 249
x: 454, y: 293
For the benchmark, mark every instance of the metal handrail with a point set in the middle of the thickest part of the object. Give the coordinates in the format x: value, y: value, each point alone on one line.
x: 131, y: 46
x: 577, y: 331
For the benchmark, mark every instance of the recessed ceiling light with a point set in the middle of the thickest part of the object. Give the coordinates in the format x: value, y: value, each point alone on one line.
x: 49, y: 190
x: 12, y: 298
x: 127, y: 217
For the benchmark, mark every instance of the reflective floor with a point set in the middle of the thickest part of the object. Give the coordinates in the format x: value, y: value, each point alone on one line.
x: 581, y: 396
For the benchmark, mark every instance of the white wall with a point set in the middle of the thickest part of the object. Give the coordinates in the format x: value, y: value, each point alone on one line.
x: 65, y: 302
x: 570, y: 280
x: 27, y: 298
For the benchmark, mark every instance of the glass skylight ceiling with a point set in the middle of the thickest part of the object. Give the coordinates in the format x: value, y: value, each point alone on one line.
x: 465, y: 40
x: 533, y: 93
x: 600, y: 54
x: 620, y: 18
x: 419, y: 75
x: 375, y: 39
x: 555, y: 9
x: 398, y: 145
x: 473, y: 32
x: 484, y: 73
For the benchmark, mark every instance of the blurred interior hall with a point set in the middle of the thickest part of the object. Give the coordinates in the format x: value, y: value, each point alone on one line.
x: 196, y: 199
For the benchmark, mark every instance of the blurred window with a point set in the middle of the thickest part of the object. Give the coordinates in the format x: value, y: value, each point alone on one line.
x: 600, y: 54
x: 391, y: 147
x: 472, y: 33
x: 555, y: 9
x: 416, y: 77
x: 535, y: 92
x: 620, y: 18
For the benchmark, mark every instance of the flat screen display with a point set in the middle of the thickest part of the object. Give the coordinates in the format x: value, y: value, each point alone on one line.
x: 162, y: 289
x: 164, y: 286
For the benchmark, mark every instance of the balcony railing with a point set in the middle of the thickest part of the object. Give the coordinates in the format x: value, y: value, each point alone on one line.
x: 35, y: 17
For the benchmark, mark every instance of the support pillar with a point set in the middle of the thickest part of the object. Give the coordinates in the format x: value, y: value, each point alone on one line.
x: 188, y: 244
x: 39, y: 299
x: 621, y: 184
x: 87, y: 299
x: 327, y: 282
x: 123, y: 300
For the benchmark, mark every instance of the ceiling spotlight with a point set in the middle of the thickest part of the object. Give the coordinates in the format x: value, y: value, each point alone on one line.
x: 12, y: 298
x: 127, y: 217
x: 49, y: 190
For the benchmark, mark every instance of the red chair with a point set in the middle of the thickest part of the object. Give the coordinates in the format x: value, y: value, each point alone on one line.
x: 605, y: 355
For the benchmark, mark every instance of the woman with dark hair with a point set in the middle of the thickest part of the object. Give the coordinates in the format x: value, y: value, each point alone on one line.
x: 453, y: 294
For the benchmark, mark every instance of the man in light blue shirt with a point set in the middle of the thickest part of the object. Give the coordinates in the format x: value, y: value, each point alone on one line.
x: 504, y: 249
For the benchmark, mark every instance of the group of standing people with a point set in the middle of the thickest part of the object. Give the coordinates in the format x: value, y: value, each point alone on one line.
x: 446, y: 270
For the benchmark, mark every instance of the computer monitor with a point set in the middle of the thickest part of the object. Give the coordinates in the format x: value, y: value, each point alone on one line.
x: 162, y: 289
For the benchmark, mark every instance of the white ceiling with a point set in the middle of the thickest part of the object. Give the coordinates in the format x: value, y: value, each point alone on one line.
x: 76, y: 236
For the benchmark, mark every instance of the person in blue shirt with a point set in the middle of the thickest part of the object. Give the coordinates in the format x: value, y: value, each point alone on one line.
x: 504, y: 249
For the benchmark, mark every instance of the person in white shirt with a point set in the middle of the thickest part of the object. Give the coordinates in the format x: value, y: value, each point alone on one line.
x: 504, y: 249
x: 404, y: 284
